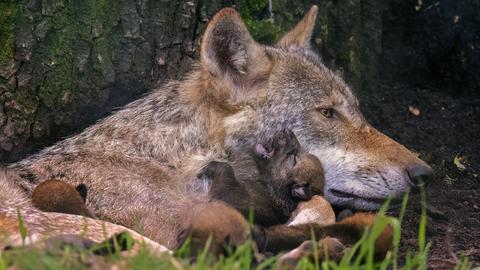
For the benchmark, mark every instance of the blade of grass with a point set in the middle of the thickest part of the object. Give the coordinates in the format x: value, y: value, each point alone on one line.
x: 3, y: 264
x: 184, y: 250
x: 21, y: 227
x: 397, y: 228
x: 315, y: 249
x: 422, y: 227
x: 251, y: 215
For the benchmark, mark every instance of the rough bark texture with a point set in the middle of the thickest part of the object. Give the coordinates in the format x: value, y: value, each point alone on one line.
x: 66, y: 63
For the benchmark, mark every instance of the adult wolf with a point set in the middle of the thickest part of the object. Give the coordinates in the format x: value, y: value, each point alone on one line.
x: 139, y: 163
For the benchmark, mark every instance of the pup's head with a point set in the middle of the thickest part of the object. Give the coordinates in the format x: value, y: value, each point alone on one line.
x: 58, y: 196
x: 288, y: 87
x: 288, y: 167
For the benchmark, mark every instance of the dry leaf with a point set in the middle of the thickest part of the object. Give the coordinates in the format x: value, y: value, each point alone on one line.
x: 456, y: 19
x: 414, y: 110
x: 458, y: 162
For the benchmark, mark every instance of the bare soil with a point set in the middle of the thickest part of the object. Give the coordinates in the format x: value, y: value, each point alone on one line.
x: 448, y: 127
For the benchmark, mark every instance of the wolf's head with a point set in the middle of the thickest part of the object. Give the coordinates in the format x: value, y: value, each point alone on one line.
x: 289, y: 87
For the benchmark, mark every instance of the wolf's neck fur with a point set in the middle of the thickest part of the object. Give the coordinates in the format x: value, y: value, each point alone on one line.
x: 179, y: 120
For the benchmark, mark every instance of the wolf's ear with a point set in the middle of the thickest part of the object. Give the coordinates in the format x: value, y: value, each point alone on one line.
x: 229, y: 53
x: 301, y: 34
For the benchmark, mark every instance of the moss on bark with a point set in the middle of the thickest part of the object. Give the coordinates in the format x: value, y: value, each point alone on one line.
x: 8, y: 14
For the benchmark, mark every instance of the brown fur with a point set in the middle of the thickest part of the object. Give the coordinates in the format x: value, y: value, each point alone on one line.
x: 316, y: 210
x: 9, y: 225
x: 286, y: 175
x: 364, y: 220
x: 223, y: 224
x: 301, y: 34
x: 58, y: 196
x: 348, y: 232
x: 288, y: 163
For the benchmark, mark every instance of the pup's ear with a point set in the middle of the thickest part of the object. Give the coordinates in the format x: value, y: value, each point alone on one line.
x: 229, y: 53
x: 301, y: 34
x: 82, y: 190
x: 286, y: 142
x: 262, y: 152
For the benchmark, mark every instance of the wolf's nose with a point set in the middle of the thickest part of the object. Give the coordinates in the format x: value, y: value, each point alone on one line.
x: 416, y: 171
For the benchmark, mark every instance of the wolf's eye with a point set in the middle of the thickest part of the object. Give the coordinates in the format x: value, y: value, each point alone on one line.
x: 327, y: 112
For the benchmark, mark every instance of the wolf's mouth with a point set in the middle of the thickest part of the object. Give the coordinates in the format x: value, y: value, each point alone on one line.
x: 348, y: 195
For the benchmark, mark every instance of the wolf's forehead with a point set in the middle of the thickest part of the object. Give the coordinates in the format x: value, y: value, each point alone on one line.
x: 300, y: 73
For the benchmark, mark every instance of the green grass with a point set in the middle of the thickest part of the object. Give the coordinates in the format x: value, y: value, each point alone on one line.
x: 359, y: 256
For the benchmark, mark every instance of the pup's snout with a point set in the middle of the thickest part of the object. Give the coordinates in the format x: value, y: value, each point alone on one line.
x: 418, y: 171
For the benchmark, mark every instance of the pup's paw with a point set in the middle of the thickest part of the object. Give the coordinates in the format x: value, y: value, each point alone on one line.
x: 316, y: 210
x: 224, y: 226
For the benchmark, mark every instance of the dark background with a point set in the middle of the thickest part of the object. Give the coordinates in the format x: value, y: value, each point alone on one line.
x: 66, y: 63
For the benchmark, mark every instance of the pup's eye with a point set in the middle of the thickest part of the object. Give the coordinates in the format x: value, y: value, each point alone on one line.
x: 327, y: 112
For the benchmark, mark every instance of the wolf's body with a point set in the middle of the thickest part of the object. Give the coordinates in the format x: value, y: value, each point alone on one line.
x: 139, y: 164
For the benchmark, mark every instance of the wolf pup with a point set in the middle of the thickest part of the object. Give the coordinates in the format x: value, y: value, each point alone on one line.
x: 58, y: 196
x: 285, y: 175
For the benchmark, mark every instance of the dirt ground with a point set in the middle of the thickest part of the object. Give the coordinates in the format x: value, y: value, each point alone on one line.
x: 447, y: 127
